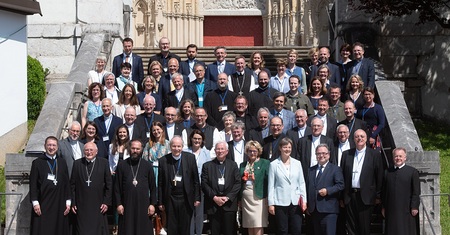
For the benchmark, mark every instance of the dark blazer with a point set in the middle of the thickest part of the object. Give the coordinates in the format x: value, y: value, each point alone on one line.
x: 231, y: 151
x: 272, y: 144
x: 172, y: 101
x: 158, y: 101
x: 212, y: 72
x: 147, y: 123
x: 366, y: 71
x: 210, y: 185
x: 331, y: 179
x: 331, y: 126
x: 137, y: 69
x: 209, y: 86
x: 371, y: 176
x: 304, y: 152
x: 336, y: 153
x: 164, y: 86
x: 257, y: 100
x: 184, y: 66
x: 353, y: 126
x: 65, y: 151
x: 101, y: 132
x: 261, y: 171
x: 293, y: 135
x: 164, y: 61
x: 140, y: 133
x: 189, y: 176
x: 256, y: 134
x: 335, y: 73
x: 179, y: 127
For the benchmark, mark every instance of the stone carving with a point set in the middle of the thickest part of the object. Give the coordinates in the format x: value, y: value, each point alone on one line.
x: 234, y: 4
x: 176, y: 6
x: 189, y: 8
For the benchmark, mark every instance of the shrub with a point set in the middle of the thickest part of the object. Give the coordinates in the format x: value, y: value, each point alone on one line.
x: 36, y: 88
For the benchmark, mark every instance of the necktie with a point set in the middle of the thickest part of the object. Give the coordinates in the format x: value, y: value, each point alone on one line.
x: 127, y: 59
x: 279, y: 114
x: 319, y: 174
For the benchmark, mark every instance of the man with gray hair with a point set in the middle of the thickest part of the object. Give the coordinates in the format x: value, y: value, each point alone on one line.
x: 262, y: 131
x: 174, y: 98
x: 107, y: 123
x: 70, y: 148
x: 236, y: 146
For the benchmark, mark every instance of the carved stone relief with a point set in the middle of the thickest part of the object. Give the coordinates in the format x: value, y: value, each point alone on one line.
x: 234, y: 4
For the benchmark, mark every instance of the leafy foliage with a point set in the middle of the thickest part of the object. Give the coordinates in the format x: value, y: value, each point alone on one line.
x: 428, y: 10
x: 36, y: 87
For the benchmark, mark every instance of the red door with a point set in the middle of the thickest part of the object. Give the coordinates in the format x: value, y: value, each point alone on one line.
x: 233, y: 31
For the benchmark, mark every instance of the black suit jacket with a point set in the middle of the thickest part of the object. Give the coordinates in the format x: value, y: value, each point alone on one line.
x: 172, y: 101
x: 293, y: 135
x: 366, y: 71
x: 209, y: 86
x: 164, y: 86
x: 137, y: 69
x: 371, y: 178
x: 256, y: 135
x: 140, y: 133
x: 335, y: 73
x: 353, y: 126
x: 304, y: 152
x: 210, y: 185
x: 231, y: 152
x: 101, y: 132
x: 272, y: 145
x: 189, y: 177
x: 179, y: 127
x: 164, y: 62
x: 145, y: 123
x: 331, y: 126
x: 184, y: 66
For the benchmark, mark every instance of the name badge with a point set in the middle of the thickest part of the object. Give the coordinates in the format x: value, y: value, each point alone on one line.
x: 223, y: 108
x: 165, y: 70
x: 200, y: 99
x: 148, y: 134
x: 155, y: 163
x: 178, y: 178
x: 105, y: 138
x: 51, y: 176
x: 222, y: 181
x: 249, y: 182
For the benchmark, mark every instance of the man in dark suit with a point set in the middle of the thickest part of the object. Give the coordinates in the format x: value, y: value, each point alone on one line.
x: 163, y: 57
x: 137, y: 68
x: 363, y: 176
x: 174, y: 97
x: 351, y: 121
x: 187, y: 67
x: 301, y: 130
x: 325, y: 182
x: 201, y: 86
x: 364, y: 67
x: 166, y: 84
x: 237, y: 145
x: 219, y: 66
x: 147, y: 118
x: 262, y: 131
x: 178, y: 187
x: 70, y: 148
x: 219, y: 101
x: 221, y: 184
x: 306, y: 146
x: 137, y: 132
x: 172, y: 128
x: 279, y: 99
x: 324, y: 58
x: 107, y: 123
x: 271, y: 150
x: 342, y: 143
x: 330, y: 123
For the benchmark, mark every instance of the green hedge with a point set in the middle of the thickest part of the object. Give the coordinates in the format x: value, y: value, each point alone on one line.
x: 36, y: 87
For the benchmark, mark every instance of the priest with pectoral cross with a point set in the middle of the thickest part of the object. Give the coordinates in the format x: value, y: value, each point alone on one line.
x: 135, y: 192
x: 91, y: 186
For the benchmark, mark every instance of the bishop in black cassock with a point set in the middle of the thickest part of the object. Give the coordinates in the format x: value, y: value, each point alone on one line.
x: 49, y: 192
x: 135, y: 192
x: 401, y: 191
x: 91, y: 185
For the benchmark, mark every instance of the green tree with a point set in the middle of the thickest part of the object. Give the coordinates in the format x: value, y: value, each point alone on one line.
x: 427, y: 10
x: 36, y: 87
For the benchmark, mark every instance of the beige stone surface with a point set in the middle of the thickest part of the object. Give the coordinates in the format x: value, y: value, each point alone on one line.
x: 13, y: 141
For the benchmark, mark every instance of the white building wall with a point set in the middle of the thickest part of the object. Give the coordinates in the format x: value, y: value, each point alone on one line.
x: 13, y: 60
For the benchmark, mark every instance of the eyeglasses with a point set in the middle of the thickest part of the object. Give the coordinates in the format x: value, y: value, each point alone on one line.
x: 321, y: 154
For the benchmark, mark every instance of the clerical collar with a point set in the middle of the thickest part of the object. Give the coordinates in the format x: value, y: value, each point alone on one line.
x: 129, y: 126
x: 240, y: 73
x: 302, y: 128
x: 238, y: 142
x: 361, y: 151
x: 400, y: 167
x: 169, y: 125
x: 315, y: 138
x: 221, y: 162
x: 264, y: 88
x: 149, y: 114
x: 343, y: 143
x: 322, y: 117
x: 93, y: 160
x: 176, y: 157
x: 51, y: 157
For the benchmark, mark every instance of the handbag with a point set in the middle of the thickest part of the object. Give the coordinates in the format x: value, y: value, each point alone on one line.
x: 157, y: 225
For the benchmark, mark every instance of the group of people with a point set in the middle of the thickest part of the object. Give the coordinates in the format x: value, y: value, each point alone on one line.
x: 190, y: 139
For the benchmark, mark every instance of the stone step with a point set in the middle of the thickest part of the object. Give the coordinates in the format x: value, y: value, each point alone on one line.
x: 206, y: 54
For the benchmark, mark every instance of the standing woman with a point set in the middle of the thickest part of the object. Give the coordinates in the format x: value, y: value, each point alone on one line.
x: 293, y: 69
x: 89, y: 134
x: 373, y: 114
x: 354, y: 90
x: 313, y: 54
x: 97, y: 74
x: 345, y: 53
x: 228, y: 119
x: 316, y: 91
x: 256, y: 64
x: 157, y: 146
x: 118, y: 147
x: 127, y: 98
x: 287, y: 191
x: 149, y: 85
x: 196, y: 146
x: 185, y: 113
x: 92, y: 108
x: 280, y: 82
x: 156, y: 70
x: 111, y: 91
x: 254, y: 174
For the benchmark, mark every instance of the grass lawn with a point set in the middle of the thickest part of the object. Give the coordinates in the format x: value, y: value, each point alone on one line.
x: 436, y: 136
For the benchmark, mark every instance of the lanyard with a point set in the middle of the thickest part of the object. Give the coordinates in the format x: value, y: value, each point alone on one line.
x: 176, y: 171
x: 222, y: 172
x: 149, y: 123
x: 223, y: 97
x: 52, y: 166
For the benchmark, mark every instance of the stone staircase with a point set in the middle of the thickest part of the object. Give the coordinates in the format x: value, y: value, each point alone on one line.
x: 206, y: 54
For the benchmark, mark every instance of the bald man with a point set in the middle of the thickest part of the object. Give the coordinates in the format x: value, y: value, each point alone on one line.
x: 163, y: 56
x: 71, y: 148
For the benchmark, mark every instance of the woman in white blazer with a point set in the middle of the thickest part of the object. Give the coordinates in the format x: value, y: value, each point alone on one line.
x: 287, y: 191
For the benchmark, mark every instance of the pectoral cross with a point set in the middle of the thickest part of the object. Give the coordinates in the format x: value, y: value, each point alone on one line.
x: 55, y: 181
x: 174, y: 182
x: 88, y: 182
x: 240, y: 92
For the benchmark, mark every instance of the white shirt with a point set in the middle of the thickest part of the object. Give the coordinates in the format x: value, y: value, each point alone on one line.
x: 323, y: 168
x: 342, y: 147
x: 238, y: 148
x: 170, y: 130
x: 301, y: 132
x: 179, y: 94
x: 76, y: 150
x: 357, y: 166
x: 324, y: 119
x: 130, y: 130
x: 315, y: 142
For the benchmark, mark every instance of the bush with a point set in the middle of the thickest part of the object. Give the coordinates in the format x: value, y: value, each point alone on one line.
x: 36, y: 88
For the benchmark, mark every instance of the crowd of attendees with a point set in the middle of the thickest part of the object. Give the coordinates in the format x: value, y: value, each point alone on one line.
x: 271, y: 149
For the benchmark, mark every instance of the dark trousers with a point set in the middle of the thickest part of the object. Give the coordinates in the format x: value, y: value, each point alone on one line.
x: 179, y: 214
x: 324, y: 223
x: 289, y: 219
x: 223, y: 222
x: 358, y: 215
x: 340, y: 226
